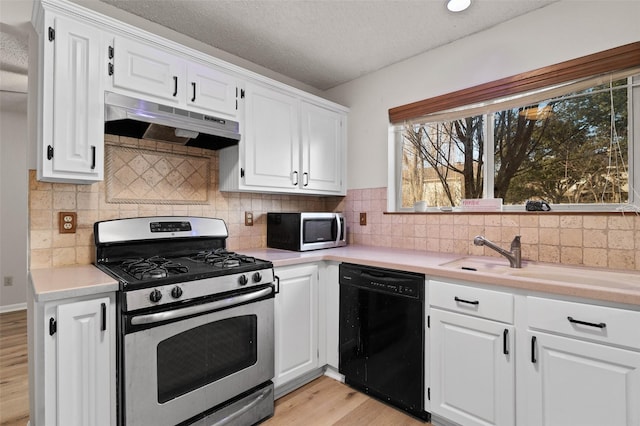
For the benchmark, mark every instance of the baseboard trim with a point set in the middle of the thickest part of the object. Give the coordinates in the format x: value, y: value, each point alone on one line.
x: 286, y: 388
x: 12, y: 308
x: 334, y: 374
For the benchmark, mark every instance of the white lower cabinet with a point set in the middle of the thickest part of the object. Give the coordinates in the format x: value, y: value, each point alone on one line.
x: 79, y: 362
x: 581, y: 377
x: 472, y: 358
x: 296, y: 323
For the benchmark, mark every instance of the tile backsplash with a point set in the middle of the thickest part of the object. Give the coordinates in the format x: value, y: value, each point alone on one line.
x: 50, y: 248
x: 604, y: 240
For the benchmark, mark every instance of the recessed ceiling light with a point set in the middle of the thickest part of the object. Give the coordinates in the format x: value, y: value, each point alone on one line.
x: 458, y: 5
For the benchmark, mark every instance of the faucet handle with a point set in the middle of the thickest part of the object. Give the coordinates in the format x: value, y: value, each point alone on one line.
x: 515, y: 244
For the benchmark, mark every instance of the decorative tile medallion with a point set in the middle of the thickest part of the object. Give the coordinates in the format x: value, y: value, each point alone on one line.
x: 140, y: 176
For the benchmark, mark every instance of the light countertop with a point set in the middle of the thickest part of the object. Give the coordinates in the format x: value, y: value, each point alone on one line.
x: 614, y: 286
x: 597, y: 284
x: 70, y: 281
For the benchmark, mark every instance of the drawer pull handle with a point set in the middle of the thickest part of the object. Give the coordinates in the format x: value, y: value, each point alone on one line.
x: 470, y: 302
x: 533, y: 349
x: 505, y: 342
x: 103, y: 322
x: 590, y: 324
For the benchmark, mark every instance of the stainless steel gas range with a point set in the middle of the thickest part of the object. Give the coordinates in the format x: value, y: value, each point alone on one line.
x: 195, y: 323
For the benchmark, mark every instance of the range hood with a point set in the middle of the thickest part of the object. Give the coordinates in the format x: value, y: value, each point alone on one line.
x: 126, y: 116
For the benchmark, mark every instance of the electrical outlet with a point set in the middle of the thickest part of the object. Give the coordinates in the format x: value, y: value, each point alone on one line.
x: 67, y: 222
x: 8, y: 281
x: 363, y: 219
x: 248, y: 219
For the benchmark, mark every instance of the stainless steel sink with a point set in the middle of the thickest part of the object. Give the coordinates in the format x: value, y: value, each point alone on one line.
x: 565, y: 274
x: 497, y: 266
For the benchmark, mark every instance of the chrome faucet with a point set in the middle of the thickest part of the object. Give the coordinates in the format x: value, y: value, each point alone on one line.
x: 514, y: 256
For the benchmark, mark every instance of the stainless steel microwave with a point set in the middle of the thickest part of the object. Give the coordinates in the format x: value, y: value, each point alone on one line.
x: 306, y: 231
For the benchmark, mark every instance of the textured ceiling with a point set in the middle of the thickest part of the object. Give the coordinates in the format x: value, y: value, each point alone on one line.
x: 322, y: 43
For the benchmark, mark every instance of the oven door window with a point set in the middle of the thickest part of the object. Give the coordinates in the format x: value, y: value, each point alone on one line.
x: 202, y: 355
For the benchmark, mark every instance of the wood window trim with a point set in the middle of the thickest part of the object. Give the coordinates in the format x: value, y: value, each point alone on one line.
x: 616, y: 59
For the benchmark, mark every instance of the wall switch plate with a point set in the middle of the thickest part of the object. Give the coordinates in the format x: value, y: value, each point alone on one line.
x: 248, y: 219
x: 8, y: 281
x: 67, y: 222
x: 363, y: 219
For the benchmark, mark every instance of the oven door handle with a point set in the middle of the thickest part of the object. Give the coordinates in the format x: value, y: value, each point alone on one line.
x: 198, y: 309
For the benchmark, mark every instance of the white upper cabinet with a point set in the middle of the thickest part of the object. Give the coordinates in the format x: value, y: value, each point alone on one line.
x: 290, y: 145
x: 271, y: 144
x: 323, y: 136
x: 156, y: 74
x: 210, y: 89
x: 292, y: 141
x: 70, y: 101
x: 140, y: 68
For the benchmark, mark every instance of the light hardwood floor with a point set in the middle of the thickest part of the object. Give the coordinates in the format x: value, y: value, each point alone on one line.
x: 323, y: 402
x: 14, y: 379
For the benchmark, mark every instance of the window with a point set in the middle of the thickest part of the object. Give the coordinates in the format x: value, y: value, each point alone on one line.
x: 570, y: 144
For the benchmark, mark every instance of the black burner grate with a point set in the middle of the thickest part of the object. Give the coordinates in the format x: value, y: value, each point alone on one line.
x: 153, y: 267
x: 221, y: 258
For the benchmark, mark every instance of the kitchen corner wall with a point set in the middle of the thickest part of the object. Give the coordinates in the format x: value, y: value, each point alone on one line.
x: 603, y: 240
x: 49, y: 248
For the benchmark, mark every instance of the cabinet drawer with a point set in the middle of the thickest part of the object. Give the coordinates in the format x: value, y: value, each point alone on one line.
x: 489, y: 304
x: 600, y: 323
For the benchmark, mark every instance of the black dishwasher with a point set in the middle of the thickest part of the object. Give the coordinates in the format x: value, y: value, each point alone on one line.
x: 382, y: 335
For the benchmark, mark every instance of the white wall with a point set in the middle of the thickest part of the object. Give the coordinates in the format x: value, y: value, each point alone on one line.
x: 14, y: 196
x: 561, y: 31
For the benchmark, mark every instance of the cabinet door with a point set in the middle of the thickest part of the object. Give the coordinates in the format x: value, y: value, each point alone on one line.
x: 143, y: 69
x: 211, y: 90
x: 322, y: 149
x: 271, y: 143
x: 73, y: 139
x: 472, y: 369
x: 83, y: 363
x: 572, y: 382
x: 296, y: 323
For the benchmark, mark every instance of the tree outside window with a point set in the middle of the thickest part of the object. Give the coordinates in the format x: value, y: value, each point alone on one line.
x: 571, y: 149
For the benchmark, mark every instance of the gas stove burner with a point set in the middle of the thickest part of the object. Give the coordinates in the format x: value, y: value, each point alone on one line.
x: 221, y: 258
x: 152, y: 268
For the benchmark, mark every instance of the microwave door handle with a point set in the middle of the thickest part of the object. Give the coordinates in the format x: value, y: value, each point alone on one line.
x: 339, y: 227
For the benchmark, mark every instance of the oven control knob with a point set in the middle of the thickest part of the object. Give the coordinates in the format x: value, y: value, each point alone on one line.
x: 257, y: 277
x: 155, y: 296
x: 242, y: 280
x: 176, y: 292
